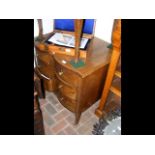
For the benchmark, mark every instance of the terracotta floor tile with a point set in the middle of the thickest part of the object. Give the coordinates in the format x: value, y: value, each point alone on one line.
x: 60, y: 121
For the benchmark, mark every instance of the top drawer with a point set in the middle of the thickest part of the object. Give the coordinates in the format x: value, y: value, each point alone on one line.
x: 45, y: 60
x: 66, y: 75
x: 44, y: 57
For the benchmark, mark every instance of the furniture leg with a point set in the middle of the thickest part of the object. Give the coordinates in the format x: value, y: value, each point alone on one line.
x: 77, y: 117
x: 112, y: 67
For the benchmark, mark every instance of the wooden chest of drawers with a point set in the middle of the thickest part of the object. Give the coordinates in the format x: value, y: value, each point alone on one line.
x: 78, y: 93
x: 78, y: 88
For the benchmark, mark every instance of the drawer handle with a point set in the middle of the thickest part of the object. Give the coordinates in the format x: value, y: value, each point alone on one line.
x: 61, y: 98
x: 62, y: 49
x: 60, y: 73
x: 60, y: 86
x: 63, y: 81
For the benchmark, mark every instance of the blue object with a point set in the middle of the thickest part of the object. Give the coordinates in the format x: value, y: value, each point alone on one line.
x: 68, y: 25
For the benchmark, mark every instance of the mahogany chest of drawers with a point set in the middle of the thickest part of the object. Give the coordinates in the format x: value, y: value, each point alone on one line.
x: 76, y: 88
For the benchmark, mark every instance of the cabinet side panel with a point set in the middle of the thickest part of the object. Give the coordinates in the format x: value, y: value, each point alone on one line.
x: 92, y: 87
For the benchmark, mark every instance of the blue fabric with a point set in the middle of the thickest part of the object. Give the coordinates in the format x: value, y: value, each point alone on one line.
x: 68, y: 25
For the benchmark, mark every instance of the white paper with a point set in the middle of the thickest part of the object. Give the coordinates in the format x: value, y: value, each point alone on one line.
x: 67, y: 40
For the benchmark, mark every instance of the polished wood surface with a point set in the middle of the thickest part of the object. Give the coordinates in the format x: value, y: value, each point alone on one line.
x: 98, y: 56
x: 116, y: 52
x: 45, y: 68
x: 65, y: 74
x: 116, y: 86
x: 45, y: 63
x: 38, y: 86
x: 79, y: 88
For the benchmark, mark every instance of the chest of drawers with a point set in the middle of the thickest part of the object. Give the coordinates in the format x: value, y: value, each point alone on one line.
x: 78, y: 88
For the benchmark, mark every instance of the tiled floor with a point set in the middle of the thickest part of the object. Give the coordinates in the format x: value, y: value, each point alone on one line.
x: 60, y: 121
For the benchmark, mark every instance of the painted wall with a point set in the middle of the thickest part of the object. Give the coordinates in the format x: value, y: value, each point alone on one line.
x: 102, y: 30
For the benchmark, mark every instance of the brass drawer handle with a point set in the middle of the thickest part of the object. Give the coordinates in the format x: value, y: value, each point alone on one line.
x: 61, y: 98
x: 60, y: 73
x: 62, y: 49
x: 60, y: 86
x: 63, y: 81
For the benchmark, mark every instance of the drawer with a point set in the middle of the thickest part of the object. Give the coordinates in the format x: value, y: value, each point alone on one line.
x: 45, y: 59
x: 67, y: 90
x: 61, y: 50
x: 50, y: 85
x: 47, y: 71
x: 67, y: 75
x: 66, y: 51
x: 66, y: 102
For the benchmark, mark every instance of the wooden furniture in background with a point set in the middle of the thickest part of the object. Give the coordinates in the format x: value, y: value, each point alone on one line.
x: 44, y: 61
x: 76, y: 88
x: 111, y: 83
x: 38, y: 120
x: 45, y: 69
x: 38, y: 84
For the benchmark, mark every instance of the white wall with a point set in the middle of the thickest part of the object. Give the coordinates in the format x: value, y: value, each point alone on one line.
x: 102, y: 30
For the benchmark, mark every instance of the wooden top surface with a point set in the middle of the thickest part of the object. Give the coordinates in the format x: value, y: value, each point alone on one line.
x: 97, y: 57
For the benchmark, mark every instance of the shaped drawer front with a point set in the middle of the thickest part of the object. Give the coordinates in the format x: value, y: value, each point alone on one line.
x: 66, y: 90
x: 47, y: 71
x: 45, y: 59
x: 67, y: 75
x: 66, y: 102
